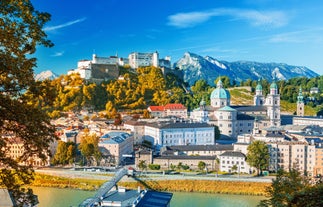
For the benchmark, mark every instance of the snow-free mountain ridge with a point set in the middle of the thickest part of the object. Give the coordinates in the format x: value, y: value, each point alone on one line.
x: 196, y: 67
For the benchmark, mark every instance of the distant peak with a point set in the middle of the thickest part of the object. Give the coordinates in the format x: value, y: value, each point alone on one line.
x: 47, y: 74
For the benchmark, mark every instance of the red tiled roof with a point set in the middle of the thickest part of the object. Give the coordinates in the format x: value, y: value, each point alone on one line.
x: 175, y: 106
x: 156, y: 108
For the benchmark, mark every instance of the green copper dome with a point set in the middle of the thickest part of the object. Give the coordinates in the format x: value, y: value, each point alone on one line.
x: 259, y: 87
x: 273, y: 85
x: 220, y: 92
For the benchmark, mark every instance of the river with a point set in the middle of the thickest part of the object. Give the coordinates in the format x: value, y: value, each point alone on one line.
x: 54, y: 197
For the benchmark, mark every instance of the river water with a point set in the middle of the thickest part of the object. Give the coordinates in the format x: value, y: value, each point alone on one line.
x: 54, y: 197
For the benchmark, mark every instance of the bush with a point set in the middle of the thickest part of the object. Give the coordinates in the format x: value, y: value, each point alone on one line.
x: 154, y: 167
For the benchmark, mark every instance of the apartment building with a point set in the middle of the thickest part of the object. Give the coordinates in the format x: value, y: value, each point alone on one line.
x: 230, y: 159
x: 177, y: 110
x: 17, y: 150
x: 118, y: 145
x: 292, y: 155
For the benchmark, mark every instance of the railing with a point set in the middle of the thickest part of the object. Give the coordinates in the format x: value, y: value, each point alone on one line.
x: 105, y: 188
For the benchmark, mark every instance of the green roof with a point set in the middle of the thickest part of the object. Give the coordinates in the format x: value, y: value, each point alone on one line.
x: 273, y: 85
x: 259, y: 87
x: 227, y: 108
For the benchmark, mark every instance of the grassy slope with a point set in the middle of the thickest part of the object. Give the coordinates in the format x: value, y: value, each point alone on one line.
x: 245, y: 97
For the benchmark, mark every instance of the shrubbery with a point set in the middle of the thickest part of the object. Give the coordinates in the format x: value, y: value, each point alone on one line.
x: 154, y: 167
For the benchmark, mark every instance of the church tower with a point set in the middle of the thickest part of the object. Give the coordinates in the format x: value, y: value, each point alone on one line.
x: 273, y: 105
x: 300, y: 103
x: 258, y: 99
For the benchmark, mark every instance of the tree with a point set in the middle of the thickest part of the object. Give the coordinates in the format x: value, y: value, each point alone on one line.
x: 217, y: 133
x: 201, y: 165
x: 89, y: 147
x: 286, y: 189
x: 60, y: 156
x: 258, y: 156
x: 21, y: 30
x: 234, y: 168
x: 308, y: 197
x: 142, y: 165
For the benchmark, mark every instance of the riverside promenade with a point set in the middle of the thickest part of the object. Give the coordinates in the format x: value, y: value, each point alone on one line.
x: 98, y: 175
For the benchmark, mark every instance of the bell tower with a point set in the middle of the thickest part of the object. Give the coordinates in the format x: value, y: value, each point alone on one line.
x: 300, y: 103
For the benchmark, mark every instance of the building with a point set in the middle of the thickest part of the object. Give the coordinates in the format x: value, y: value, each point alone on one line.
x: 167, y: 161
x: 137, y: 59
x: 233, y: 158
x: 292, y: 155
x: 308, y: 120
x: 118, y: 144
x: 179, y: 133
x: 176, y: 110
x: 197, y: 150
x: 17, y: 149
x: 318, y: 168
x: 156, y: 111
x: 137, y: 129
x: 235, y: 120
x: 314, y: 90
x: 98, y: 69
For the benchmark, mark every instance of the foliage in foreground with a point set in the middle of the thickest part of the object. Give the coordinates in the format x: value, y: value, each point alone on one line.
x: 292, y: 189
x: 21, y: 122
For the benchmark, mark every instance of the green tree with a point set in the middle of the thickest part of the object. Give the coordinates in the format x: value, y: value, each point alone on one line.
x: 217, y: 133
x: 284, y: 188
x: 234, y: 168
x: 60, y: 156
x: 71, y: 152
x: 258, y: 156
x: 142, y: 165
x: 21, y: 30
x: 308, y: 197
x: 89, y: 147
x: 201, y: 165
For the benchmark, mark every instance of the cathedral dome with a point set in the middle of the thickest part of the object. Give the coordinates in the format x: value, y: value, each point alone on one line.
x: 220, y: 92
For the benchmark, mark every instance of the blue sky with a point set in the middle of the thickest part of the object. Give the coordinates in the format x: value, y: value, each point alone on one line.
x: 283, y: 31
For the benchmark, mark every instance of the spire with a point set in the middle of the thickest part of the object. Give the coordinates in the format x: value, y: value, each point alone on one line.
x: 219, y: 84
x: 300, y: 97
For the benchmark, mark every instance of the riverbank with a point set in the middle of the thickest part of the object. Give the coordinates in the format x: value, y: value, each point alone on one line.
x: 160, y: 183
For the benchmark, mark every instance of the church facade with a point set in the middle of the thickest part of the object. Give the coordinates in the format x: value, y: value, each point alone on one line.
x: 235, y: 120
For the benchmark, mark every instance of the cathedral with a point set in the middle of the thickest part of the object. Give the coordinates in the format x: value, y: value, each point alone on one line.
x: 235, y: 120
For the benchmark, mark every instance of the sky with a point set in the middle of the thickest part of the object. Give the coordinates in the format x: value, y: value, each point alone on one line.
x: 281, y: 31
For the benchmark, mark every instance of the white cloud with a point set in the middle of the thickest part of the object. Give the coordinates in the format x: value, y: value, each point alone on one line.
x: 183, y: 20
x: 58, y: 54
x: 254, y: 17
x: 52, y: 28
x: 300, y: 36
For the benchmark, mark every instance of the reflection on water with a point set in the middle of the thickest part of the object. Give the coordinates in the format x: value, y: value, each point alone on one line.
x: 54, y: 197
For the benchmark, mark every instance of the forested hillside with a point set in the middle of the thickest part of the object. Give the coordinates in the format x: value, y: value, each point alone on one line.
x: 135, y: 90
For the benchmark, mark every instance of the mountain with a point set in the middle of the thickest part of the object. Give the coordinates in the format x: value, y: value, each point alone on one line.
x: 45, y: 75
x: 196, y: 67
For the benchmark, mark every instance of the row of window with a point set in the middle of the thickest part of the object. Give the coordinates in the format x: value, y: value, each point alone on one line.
x: 232, y: 162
